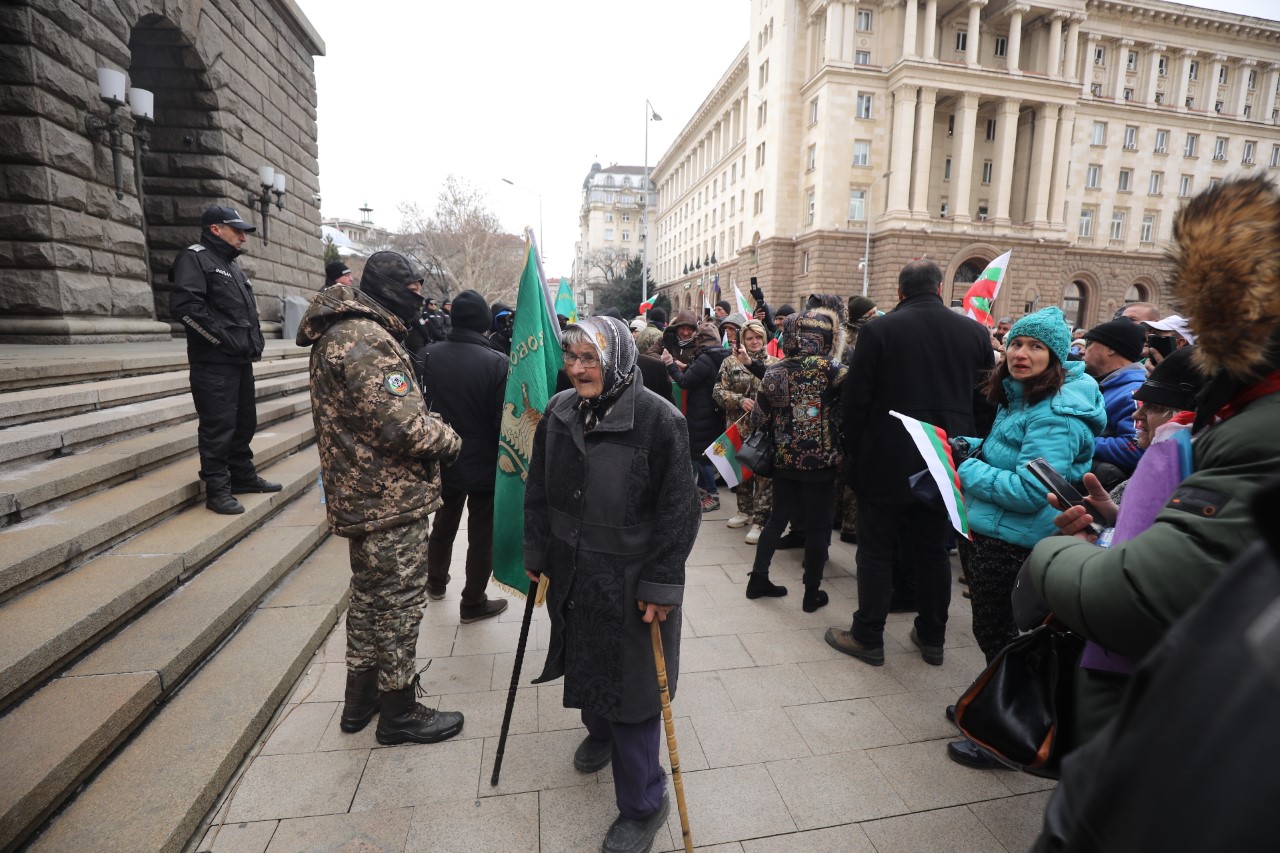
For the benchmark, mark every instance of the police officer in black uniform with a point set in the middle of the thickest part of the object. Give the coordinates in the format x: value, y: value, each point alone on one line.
x: 213, y: 299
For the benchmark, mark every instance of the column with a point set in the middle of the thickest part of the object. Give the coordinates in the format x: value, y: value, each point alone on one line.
x: 1119, y: 72
x: 924, y: 152
x: 1154, y: 52
x: 1062, y: 162
x: 1015, y: 37
x: 1042, y: 163
x: 1055, y: 44
x: 904, y: 117
x: 1242, y: 85
x: 962, y: 161
x: 850, y: 42
x: 1086, y: 75
x: 975, y: 36
x: 834, y: 31
x: 1073, y: 46
x: 910, y: 17
x: 1180, y: 102
x: 1006, y: 139
x: 1268, y: 98
x: 931, y: 30
x: 1210, y: 89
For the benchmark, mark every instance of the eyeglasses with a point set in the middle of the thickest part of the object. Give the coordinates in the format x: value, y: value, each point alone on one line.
x: 587, y: 361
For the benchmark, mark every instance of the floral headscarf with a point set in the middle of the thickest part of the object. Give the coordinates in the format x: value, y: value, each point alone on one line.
x: 617, y: 352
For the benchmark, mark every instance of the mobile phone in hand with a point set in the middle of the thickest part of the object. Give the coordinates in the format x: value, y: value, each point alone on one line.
x: 1058, y: 485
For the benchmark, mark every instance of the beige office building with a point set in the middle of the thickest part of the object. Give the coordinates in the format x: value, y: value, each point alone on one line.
x: 1068, y: 131
x: 610, y: 228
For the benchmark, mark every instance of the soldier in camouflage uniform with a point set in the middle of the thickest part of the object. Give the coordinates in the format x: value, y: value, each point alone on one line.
x: 380, y: 455
x: 735, y: 392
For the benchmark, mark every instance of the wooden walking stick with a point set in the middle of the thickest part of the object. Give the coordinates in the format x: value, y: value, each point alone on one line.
x: 515, y: 680
x: 677, y: 781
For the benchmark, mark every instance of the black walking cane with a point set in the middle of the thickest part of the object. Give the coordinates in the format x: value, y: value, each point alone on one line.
x: 515, y: 680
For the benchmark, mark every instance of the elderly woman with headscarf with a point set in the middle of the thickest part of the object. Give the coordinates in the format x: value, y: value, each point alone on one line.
x: 735, y: 392
x: 610, y: 515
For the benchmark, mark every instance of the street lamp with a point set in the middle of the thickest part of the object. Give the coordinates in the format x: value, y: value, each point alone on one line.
x: 541, y: 252
x: 866, y: 252
x: 649, y: 115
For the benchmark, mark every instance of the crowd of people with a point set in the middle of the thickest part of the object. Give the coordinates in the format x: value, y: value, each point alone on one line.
x: 1167, y: 424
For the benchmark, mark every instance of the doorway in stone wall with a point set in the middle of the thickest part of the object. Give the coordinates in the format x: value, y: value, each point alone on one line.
x: 965, y: 275
x: 184, y: 168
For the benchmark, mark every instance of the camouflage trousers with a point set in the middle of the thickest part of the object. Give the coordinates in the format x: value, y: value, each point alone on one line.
x: 755, y: 499
x: 846, y: 508
x: 388, y: 589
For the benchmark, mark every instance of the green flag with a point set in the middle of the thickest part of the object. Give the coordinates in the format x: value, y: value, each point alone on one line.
x: 564, y: 301
x: 531, y: 380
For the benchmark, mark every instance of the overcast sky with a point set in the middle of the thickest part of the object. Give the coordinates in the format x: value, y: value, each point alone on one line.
x: 533, y: 92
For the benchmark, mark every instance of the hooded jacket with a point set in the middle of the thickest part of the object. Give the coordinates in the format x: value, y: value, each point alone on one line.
x: 705, y: 418
x: 1118, y: 443
x: 214, y: 301
x: 1003, y: 499
x: 380, y: 449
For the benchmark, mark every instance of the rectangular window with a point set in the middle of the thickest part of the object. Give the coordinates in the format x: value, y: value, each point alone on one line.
x: 733, y: 174
x: 804, y: 263
x: 1159, y: 98
x: 1002, y: 46
x: 762, y: 113
x: 626, y: 217
x: 626, y: 235
x: 1126, y: 181
x: 1193, y: 70
x: 758, y: 202
x: 608, y: 217
x: 1131, y: 61
x: 991, y: 129
x: 1148, y: 228
x: 1099, y: 133
x: 945, y: 209
x: 811, y: 205
x: 1100, y: 56
x: 1247, y: 157
x: 983, y: 211
x: 1162, y: 141
x: 811, y: 158
x: 1086, y: 222
x: 1220, y: 148
x: 962, y: 41
x: 1130, y: 137
x: 759, y: 155
x: 764, y: 73
x: 1191, y: 103
x: 1251, y: 81
x: 1193, y: 145
x: 1162, y: 66
x: 1156, y: 185
x: 862, y: 57
x: 857, y: 205
x: 1184, y: 186
x: 1128, y: 94
x: 813, y: 111
x: 1275, y: 156
x: 864, y: 21
x: 1217, y: 106
x: 1117, y: 225
x: 946, y: 169
x: 1213, y: 183
x: 1248, y: 110
x: 1095, y: 89
x: 861, y: 152
x: 864, y: 105
x: 986, y: 171
x: 1092, y: 176
x: 1222, y: 75
x: 608, y: 233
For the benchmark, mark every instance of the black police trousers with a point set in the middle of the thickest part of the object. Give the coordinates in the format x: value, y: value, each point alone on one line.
x: 225, y: 402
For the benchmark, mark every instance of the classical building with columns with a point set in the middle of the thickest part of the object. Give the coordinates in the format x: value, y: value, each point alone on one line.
x: 1069, y: 131
x: 610, y: 227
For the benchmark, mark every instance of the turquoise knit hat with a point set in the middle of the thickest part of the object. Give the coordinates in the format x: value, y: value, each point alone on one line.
x: 1049, y: 326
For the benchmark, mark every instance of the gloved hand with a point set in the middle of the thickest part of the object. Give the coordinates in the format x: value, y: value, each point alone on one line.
x: 959, y: 449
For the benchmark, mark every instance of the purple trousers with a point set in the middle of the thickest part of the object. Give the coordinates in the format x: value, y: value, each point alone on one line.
x: 637, y: 776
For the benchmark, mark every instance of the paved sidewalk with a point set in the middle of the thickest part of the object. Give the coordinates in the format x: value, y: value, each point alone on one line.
x: 786, y: 745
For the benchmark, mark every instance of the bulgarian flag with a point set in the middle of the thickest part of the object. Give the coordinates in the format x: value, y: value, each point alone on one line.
x: 743, y: 305
x: 931, y: 441
x: 723, y: 453
x: 981, y: 297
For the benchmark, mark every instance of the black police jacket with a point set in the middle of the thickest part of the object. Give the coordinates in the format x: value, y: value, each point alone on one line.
x: 213, y: 299
x: 465, y: 381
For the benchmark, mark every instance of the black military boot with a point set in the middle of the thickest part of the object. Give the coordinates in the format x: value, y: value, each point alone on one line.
x: 222, y: 503
x: 404, y: 720
x: 255, y: 486
x: 361, y: 700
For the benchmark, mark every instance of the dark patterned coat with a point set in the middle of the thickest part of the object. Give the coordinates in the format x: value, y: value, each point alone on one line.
x: 610, y: 517
x: 380, y: 451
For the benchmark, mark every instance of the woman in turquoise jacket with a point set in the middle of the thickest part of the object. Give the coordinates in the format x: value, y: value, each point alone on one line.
x: 1047, y: 407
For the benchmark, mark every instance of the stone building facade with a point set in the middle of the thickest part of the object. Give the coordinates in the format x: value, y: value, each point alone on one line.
x: 1067, y: 130
x: 611, y: 224
x: 234, y: 89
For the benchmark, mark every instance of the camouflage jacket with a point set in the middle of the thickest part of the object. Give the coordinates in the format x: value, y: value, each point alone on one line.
x: 380, y: 448
x: 734, y: 384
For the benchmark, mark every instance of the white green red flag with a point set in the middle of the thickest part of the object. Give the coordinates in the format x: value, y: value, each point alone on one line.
x: 744, y: 307
x: 931, y: 441
x: 723, y: 453
x: 565, y: 303
x: 981, y: 298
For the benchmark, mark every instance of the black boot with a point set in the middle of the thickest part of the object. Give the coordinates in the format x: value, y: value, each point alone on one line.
x: 813, y: 598
x: 759, y: 586
x: 361, y: 700
x: 405, y: 720
x: 222, y: 503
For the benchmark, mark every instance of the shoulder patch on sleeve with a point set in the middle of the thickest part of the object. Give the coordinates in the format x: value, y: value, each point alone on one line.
x: 397, y: 383
x: 196, y: 247
x: 1201, y: 502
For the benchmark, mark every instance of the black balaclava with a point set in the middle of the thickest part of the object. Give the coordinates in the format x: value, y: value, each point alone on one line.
x: 386, y: 278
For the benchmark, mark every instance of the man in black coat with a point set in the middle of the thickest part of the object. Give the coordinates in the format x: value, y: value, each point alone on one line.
x: 464, y: 378
x: 927, y: 362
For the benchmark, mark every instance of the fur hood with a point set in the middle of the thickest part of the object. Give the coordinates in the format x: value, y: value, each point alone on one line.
x: 1226, y: 245
x: 826, y: 321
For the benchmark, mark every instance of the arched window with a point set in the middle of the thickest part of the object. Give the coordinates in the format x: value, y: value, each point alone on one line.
x: 1074, y: 297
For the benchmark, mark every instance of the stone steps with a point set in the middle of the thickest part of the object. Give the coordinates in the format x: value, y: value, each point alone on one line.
x: 152, y: 793
x: 44, y: 628
x: 35, y: 487
x: 63, y: 538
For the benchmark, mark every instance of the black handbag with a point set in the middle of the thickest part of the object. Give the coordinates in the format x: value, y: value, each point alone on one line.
x: 756, y: 452
x: 1021, y: 707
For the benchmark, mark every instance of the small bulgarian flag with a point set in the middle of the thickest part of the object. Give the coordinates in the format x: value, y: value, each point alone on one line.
x: 743, y: 305
x: 723, y: 453
x: 931, y: 441
x: 981, y: 297
x: 680, y: 397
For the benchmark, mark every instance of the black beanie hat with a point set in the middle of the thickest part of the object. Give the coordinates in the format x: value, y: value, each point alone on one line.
x: 1174, y: 383
x: 858, y: 306
x: 785, y: 311
x: 336, y: 270
x: 1123, y: 335
x: 385, y: 280
x: 470, y: 311
x: 657, y: 315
